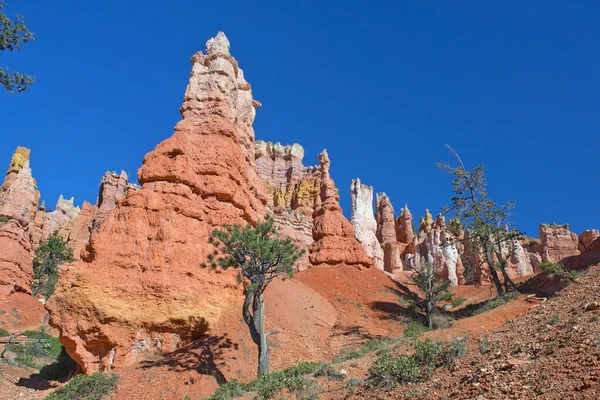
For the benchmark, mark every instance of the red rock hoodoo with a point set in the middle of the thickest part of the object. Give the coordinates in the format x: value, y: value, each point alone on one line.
x: 335, y: 241
x: 19, y: 198
x: 140, y: 288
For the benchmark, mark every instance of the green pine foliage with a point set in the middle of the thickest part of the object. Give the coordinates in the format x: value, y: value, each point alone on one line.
x: 489, y: 232
x: 51, y: 253
x: 434, y: 289
x: 258, y: 254
x: 12, y: 34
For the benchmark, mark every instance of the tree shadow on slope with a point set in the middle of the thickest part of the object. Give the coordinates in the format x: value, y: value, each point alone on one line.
x: 398, y: 311
x: 203, y: 355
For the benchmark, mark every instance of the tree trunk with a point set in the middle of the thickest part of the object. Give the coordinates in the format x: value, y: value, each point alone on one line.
x: 494, y: 273
x: 259, y: 324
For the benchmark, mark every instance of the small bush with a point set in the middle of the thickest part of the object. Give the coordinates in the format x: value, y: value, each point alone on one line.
x: 229, y: 390
x: 93, y: 387
x: 266, y: 386
x: 565, y: 275
x: 459, y: 301
x: 388, y: 371
x: 4, y: 332
x: 554, y: 320
x: 484, y: 345
x: 441, y: 321
x: 3, y: 219
x: 367, y: 347
x: 452, y: 351
x: 497, y: 302
x: 415, y: 329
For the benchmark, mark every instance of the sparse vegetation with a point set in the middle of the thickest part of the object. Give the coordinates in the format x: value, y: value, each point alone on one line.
x: 459, y: 301
x: 267, y: 385
x: 369, y: 346
x: 259, y: 255
x: 415, y: 329
x: 389, y: 371
x: 51, y: 253
x: 435, y: 290
x: 497, y: 302
x: 566, y: 276
x: 554, y: 320
x: 93, y: 387
x: 4, y: 332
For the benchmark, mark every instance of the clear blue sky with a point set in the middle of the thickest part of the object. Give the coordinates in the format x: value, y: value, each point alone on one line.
x: 382, y: 85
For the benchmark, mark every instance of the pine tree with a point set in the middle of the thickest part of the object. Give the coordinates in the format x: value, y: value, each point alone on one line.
x: 487, y: 227
x: 12, y: 35
x: 51, y: 253
x: 434, y: 289
x: 259, y: 255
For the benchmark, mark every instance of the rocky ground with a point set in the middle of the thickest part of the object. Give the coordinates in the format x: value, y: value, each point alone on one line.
x: 551, y: 352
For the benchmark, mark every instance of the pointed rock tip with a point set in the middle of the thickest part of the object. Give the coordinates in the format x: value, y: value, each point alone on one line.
x: 218, y: 45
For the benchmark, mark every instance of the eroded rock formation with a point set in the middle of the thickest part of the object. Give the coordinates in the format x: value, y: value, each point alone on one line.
x: 586, y: 238
x: 334, y: 236
x: 19, y: 198
x: 293, y: 190
x: 61, y: 219
x: 387, y: 233
x: 139, y: 288
x: 363, y: 220
x: 557, y: 242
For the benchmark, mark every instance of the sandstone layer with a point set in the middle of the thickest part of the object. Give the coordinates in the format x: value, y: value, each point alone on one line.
x: 140, y: 289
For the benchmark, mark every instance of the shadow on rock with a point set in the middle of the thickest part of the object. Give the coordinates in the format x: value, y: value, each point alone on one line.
x: 203, y: 355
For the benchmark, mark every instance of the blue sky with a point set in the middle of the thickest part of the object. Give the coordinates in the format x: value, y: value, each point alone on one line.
x: 382, y: 85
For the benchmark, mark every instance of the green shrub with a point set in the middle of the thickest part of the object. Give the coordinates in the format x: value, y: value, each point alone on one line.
x: 229, y: 390
x: 388, y: 371
x: 554, y: 320
x: 367, y: 347
x: 47, y: 347
x: 497, y: 302
x: 93, y: 387
x: 415, y: 329
x: 4, y: 332
x: 3, y: 219
x: 452, y: 351
x: 267, y: 385
x: 459, y: 301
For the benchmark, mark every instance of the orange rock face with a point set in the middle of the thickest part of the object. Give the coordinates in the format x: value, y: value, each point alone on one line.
x: 19, y: 198
x: 335, y: 242
x: 139, y: 287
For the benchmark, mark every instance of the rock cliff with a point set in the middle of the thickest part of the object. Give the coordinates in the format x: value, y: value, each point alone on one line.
x: 19, y: 199
x: 140, y: 289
